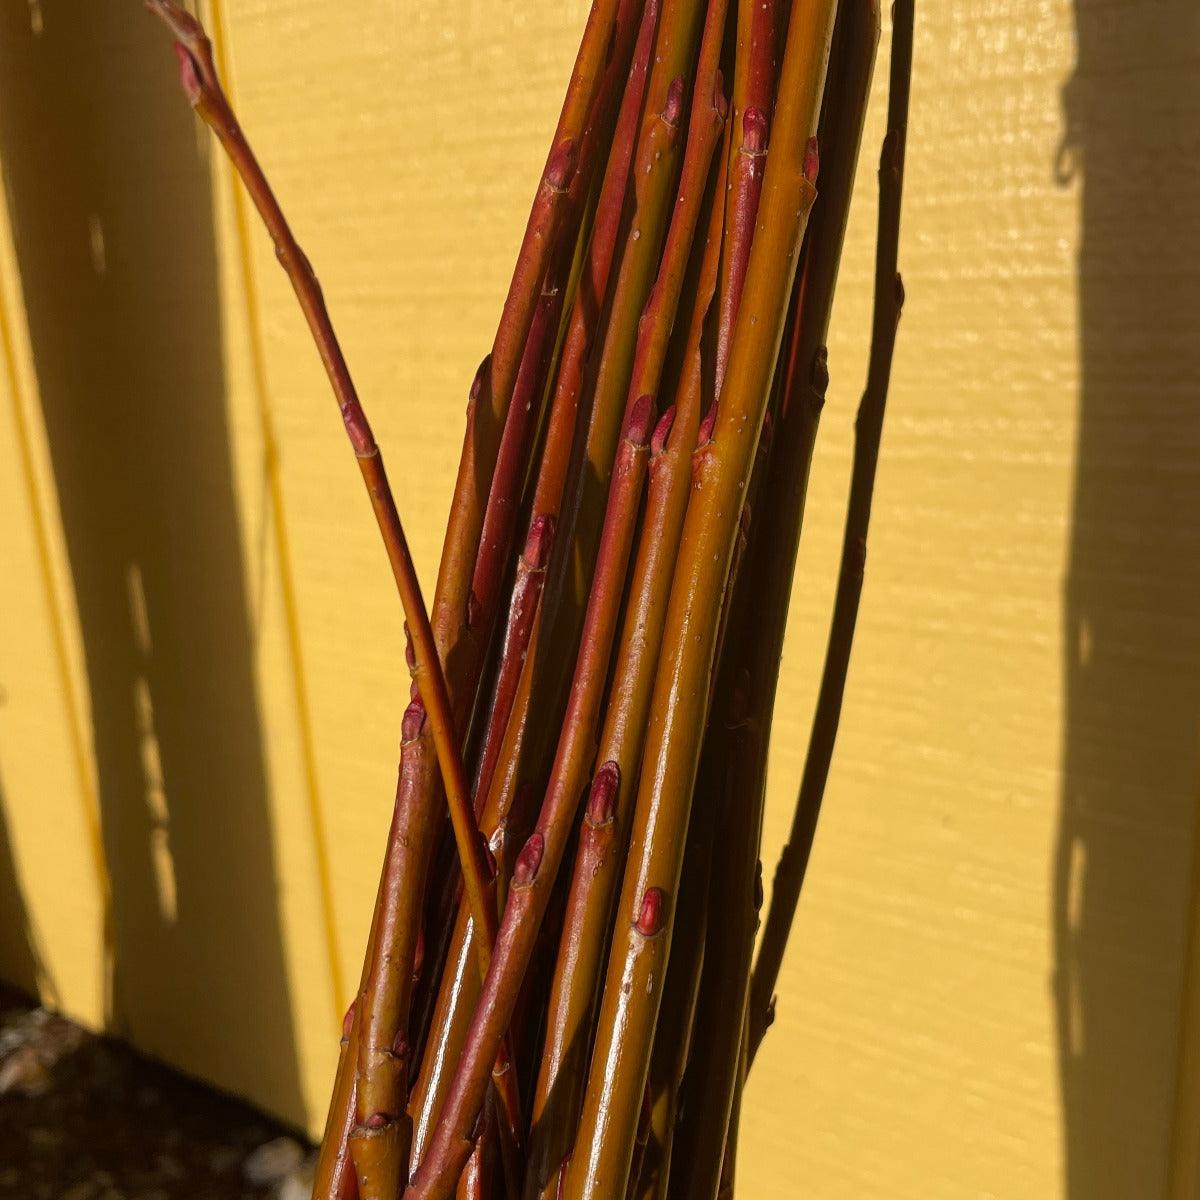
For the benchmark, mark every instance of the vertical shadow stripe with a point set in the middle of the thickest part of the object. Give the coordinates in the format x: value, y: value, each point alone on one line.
x: 316, y: 808
x: 88, y: 799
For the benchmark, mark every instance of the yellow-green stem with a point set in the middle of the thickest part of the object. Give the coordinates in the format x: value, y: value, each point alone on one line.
x: 633, y: 988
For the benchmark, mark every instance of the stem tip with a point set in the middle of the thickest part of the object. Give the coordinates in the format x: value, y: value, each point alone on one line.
x: 640, y: 420
x: 539, y: 540
x: 658, y: 442
x: 720, y: 101
x: 650, y: 918
x: 357, y: 429
x: 754, y: 130
x: 673, y: 106
x: 812, y: 161
x: 480, y: 375
x: 602, y: 799
x: 413, y: 720
x: 528, y: 861
x: 189, y: 76
x: 561, y: 164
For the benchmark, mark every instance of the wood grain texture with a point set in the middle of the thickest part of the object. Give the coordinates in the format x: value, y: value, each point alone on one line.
x: 984, y: 993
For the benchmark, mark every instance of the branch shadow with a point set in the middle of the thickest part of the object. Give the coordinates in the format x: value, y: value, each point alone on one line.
x: 109, y: 191
x: 1132, y: 592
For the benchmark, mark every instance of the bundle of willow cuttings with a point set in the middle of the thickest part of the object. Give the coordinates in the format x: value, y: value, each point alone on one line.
x: 559, y: 996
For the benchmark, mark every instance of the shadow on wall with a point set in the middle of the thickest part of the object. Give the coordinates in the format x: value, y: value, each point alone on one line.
x: 1132, y: 601
x: 19, y: 950
x: 109, y: 193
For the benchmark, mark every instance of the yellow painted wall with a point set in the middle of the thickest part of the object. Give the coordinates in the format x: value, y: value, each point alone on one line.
x: 199, y: 641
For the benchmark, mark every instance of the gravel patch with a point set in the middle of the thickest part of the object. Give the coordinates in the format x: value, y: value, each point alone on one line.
x: 87, y: 1118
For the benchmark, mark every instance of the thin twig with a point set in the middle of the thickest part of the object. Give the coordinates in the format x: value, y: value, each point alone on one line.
x: 202, y: 87
x: 889, y: 299
x: 737, y: 739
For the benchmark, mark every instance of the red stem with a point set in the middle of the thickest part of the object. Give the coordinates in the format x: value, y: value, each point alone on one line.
x: 754, y: 95
x: 544, y: 850
x: 564, y: 411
